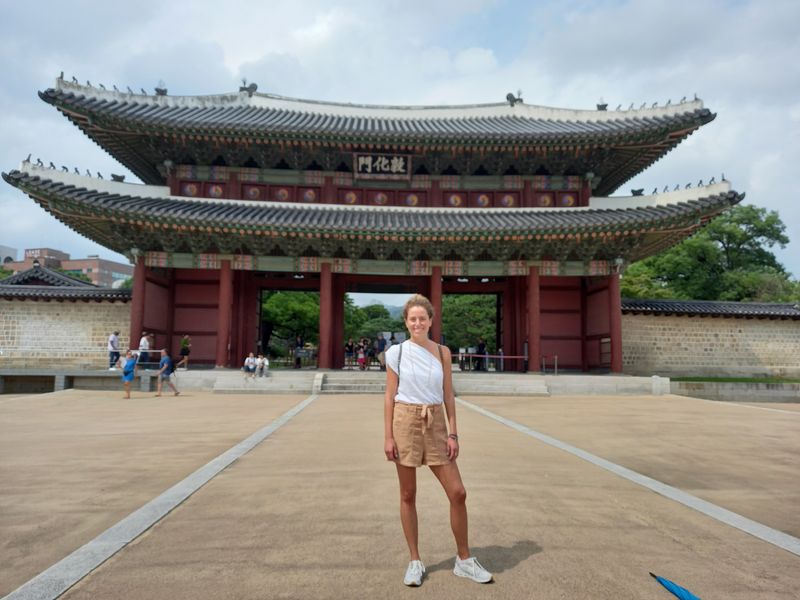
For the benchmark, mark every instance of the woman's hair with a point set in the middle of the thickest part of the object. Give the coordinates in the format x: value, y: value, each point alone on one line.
x: 418, y: 300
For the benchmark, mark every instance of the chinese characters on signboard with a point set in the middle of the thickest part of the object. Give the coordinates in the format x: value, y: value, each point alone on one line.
x: 382, y: 166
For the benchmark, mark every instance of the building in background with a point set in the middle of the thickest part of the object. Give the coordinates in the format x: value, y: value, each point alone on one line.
x: 100, y: 271
x: 7, y: 255
x: 249, y: 192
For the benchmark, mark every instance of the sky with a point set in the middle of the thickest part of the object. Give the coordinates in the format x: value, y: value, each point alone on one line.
x: 739, y: 57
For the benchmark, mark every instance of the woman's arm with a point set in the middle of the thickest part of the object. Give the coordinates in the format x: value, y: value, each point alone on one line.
x: 450, y: 404
x: 389, y: 446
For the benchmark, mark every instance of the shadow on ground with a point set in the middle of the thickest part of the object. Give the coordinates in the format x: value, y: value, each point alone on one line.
x: 495, y: 558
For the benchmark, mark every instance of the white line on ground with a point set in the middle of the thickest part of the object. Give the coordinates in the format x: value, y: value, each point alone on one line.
x: 56, y: 580
x: 754, y: 528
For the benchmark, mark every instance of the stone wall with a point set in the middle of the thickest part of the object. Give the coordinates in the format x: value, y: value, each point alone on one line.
x: 682, y: 345
x: 34, y: 334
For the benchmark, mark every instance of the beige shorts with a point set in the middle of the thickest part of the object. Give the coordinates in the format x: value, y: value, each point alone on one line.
x: 420, y: 432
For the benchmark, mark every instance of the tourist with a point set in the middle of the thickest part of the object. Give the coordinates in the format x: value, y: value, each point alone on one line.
x: 166, y: 367
x: 144, y: 346
x: 380, y: 348
x: 298, y: 352
x: 186, y: 349
x: 250, y: 366
x: 113, y: 350
x: 480, y: 363
x: 349, y: 349
x: 361, y: 356
x: 262, y: 364
x: 418, y: 386
x: 128, y: 372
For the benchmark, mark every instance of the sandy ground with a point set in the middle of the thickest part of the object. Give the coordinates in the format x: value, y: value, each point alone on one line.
x: 312, y: 511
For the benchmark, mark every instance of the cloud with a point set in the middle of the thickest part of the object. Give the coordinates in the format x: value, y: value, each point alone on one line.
x: 474, y: 61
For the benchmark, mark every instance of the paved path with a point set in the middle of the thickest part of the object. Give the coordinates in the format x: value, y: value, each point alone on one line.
x: 312, y: 511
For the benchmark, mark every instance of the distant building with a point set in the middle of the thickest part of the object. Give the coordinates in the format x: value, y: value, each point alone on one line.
x: 7, y: 255
x: 100, y: 271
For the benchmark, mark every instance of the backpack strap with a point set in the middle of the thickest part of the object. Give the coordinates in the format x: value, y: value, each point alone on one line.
x: 399, y: 358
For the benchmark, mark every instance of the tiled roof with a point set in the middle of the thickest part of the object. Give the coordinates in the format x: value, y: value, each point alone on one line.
x: 363, y: 220
x: 41, y: 283
x: 47, y: 277
x: 707, y: 308
x: 235, y: 114
x: 39, y: 292
x: 143, y: 131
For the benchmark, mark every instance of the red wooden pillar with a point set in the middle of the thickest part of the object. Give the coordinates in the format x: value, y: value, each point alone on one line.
x: 338, y: 321
x: 224, y: 312
x: 325, y: 316
x: 137, y: 302
x: 534, y: 320
x: 615, y: 321
x: 436, y: 300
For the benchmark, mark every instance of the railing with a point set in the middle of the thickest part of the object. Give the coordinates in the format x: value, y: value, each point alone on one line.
x: 555, y: 364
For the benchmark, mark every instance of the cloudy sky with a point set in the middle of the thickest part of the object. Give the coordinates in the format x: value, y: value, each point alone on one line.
x: 740, y: 57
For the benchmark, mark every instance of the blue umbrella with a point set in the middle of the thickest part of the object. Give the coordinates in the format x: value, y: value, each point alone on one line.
x: 680, y: 592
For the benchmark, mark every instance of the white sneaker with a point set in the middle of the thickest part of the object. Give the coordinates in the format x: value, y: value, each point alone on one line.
x: 472, y: 569
x: 112, y: 368
x: 414, y: 573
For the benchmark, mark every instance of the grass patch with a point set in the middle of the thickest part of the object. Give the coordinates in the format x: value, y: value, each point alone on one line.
x: 736, y: 379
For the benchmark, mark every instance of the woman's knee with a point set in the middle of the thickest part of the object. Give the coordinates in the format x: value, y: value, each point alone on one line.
x: 408, y: 495
x: 458, y: 495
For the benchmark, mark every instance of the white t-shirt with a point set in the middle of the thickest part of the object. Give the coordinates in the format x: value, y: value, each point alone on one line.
x: 421, y: 374
x: 113, y: 343
x: 144, y: 343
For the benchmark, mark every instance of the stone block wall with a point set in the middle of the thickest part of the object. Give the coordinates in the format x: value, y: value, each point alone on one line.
x: 58, y: 335
x: 682, y: 345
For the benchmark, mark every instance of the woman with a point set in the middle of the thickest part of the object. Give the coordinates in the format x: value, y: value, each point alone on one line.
x: 186, y: 350
x: 349, y: 349
x: 418, y: 385
x: 128, y: 373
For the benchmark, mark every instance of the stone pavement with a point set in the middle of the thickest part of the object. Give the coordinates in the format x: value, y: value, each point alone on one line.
x: 311, y: 512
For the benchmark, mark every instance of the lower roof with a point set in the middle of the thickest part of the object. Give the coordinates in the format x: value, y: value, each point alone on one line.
x: 712, y: 308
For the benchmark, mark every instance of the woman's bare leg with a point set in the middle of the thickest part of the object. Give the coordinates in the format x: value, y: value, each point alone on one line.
x: 450, y: 478
x: 127, y: 386
x: 408, y: 507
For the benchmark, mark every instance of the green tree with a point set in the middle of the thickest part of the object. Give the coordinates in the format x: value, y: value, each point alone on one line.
x: 730, y: 259
x: 5, y: 273
x: 127, y: 284
x: 289, y: 314
x: 466, y: 318
x: 74, y: 275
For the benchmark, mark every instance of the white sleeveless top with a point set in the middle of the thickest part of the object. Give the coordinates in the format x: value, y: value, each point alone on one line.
x: 421, y: 375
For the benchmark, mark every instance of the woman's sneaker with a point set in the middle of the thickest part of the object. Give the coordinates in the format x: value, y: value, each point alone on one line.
x: 414, y: 573
x: 472, y: 569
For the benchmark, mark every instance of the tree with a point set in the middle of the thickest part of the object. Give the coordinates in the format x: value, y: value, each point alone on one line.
x: 466, y: 318
x: 730, y: 259
x: 289, y: 314
x: 127, y: 284
x: 5, y: 273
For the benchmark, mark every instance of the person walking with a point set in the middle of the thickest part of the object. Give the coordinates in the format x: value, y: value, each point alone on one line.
x: 128, y: 372
x: 144, y: 346
x: 419, y: 386
x: 113, y: 350
x: 186, y: 350
x: 166, y: 367
x: 299, y: 344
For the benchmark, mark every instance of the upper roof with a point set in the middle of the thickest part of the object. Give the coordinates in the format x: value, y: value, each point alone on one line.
x: 121, y: 216
x: 709, y: 308
x: 42, y: 283
x: 109, y: 117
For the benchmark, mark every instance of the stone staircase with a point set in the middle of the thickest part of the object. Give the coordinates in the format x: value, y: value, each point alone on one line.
x: 277, y: 382
x: 484, y: 384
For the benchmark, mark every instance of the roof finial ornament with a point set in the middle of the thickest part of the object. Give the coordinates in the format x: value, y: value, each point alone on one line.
x: 88, y: 83
x: 512, y: 99
x: 602, y: 105
x: 619, y: 107
x: 99, y: 175
x: 61, y: 76
x: 643, y: 105
x: 666, y: 189
x: 683, y: 99
x: 654, y: 105
x: 52, y: 166
x: 88, y: 173
x: 723, y: 177
x: 39, y: 162
x: 65, y: 169
x: 712, y: 181
x: 74, y: 79
x: 250, y: 89
x: 654, y: 192
x: 669, y: 101
x: 144, y: 93
x: 102, y: 87
x: 116, y: 89
x: 130, y: 91
x: 631, y: 106
x: 695, y: 96
x: 687, y: 186
x: 637, y: 192
x: 27, y: 160
x: 700, y: 183
x: 161, y: 88
x: 677, y: 187
x: 76, y: 171
x: 117, y: 178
